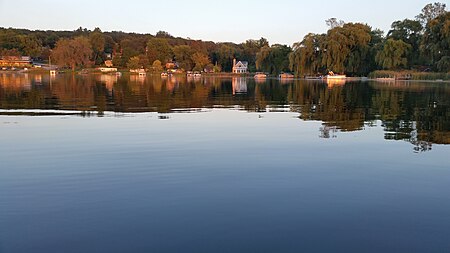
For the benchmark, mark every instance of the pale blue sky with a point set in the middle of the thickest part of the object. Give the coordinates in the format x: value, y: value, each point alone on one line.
x: 282, y: 21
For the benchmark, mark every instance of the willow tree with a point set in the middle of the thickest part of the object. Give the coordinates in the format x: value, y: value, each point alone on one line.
x: 346, y: 46
x: 72, y: 52
x: 394, y: 54
x: 306, y: 57
x: 263, y: 59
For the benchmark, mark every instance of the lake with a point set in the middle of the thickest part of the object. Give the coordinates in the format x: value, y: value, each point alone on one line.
x: 100, y: 163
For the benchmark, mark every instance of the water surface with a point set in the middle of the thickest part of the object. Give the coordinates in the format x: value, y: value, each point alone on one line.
x: 105, y: 164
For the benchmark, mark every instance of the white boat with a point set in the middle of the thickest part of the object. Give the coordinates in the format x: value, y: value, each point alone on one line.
x: 332, y: 75
x: 197, y: 74
x: 260, y: 75
x: 164, y: 74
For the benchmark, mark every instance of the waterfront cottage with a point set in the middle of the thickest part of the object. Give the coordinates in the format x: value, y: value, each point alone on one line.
x: 240, y: 67
x: 16, y: 61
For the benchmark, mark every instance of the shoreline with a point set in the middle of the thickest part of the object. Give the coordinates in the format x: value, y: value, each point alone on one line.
x: 232, y: 75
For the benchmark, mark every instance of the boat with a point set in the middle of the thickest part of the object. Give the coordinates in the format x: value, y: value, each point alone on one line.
x: 197, y: 74
x: 332, y: 75
x: 385, y: 79
x: 164, y: 74
x: 190, y: 74
x: 313, y: 77
x: 260, y: 75
x: 286, y: 76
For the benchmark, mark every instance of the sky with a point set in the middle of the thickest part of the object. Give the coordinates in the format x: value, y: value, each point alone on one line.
x: 280, y: 21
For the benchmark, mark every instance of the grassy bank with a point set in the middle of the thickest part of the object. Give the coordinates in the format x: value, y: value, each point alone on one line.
x: 411, y: 75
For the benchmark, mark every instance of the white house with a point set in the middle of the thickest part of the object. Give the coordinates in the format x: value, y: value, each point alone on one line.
x: 240, y: 67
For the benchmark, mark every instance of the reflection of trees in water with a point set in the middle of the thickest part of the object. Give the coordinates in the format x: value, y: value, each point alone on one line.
x: 417, y: 113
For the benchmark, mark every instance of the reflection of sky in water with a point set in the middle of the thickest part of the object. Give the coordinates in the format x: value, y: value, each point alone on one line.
x: 220, y: 180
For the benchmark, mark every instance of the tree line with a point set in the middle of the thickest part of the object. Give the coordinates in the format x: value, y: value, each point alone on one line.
x: 357, y: 49
x: 351, y: 48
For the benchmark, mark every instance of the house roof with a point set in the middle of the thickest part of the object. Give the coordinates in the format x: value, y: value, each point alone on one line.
x: 245, y: 63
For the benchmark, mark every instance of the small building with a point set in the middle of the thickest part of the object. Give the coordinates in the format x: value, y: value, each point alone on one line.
x: 16, y: 61
x: 240, y: 67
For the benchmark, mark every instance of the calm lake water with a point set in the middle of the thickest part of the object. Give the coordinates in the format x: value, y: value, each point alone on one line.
x: 100, y: 163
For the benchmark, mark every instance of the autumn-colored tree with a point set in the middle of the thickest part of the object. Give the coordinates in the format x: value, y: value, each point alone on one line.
x: 157, y: 66
x: 159, y: 49
x: 72, y: 52
x: 200, y: 60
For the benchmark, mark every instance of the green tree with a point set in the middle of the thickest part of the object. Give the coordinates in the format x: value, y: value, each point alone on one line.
x: 274, y: 59
x: 225, y: 55
x: 346, y: 46
x: 134, y: 63
x: 183, y: 55
x: 97, y: 41
x: 306, y: 57
x: 436, y: 42
x: 263, y: 59
x: 249, y: 50
x: 409, y: 31
x: 430, y: 12
x: 394, y: 54
x: 72, y: 52
x: 30, y: 45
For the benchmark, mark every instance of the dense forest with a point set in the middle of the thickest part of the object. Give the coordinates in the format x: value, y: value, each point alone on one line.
x: 422, y: 44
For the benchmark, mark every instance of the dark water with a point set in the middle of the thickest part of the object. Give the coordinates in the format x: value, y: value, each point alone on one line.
x: 104, y: 164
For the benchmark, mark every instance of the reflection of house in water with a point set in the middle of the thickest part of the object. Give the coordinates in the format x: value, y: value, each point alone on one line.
x: 38, y: 79
x: 239, y: 85
x: 15, y: 82
x: 109, y: 81
x: 137, y: 79
x: 327, y: 132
